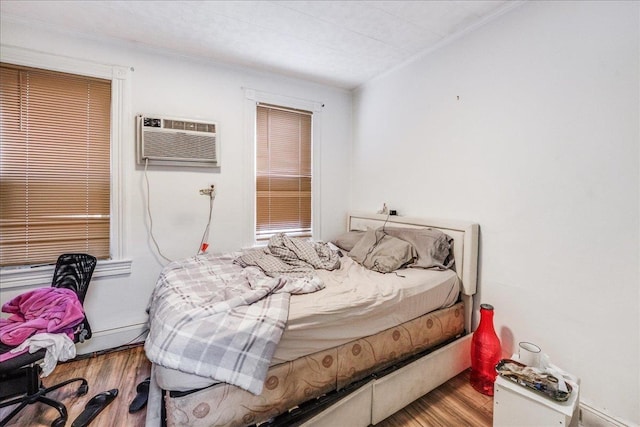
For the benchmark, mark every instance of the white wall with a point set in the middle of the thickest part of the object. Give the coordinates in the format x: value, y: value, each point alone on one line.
x: 542, y: 150
x: 184, y: 87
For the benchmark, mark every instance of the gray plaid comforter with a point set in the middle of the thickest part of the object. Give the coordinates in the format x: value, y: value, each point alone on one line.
x: 210, y: 317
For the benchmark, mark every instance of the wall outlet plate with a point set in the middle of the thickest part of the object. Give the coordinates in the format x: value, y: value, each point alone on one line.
x: 208, y: 191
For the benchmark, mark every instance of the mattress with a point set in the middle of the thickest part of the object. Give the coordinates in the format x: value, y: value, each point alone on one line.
x: 355, y: 303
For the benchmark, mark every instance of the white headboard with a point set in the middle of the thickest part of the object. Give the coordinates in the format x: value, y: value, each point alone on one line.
x: 465, y: 246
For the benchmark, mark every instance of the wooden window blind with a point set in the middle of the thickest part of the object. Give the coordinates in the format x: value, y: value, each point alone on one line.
x: 283, y: 171
x: 54, y: 165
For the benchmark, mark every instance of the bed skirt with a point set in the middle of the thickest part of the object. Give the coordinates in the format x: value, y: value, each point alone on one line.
x: 292, y: 383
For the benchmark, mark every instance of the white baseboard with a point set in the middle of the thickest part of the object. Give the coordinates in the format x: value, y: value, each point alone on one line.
x: 113, y: 338
x: 592, y: 417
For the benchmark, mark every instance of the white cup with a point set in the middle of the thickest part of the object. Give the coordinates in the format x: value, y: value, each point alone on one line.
x: 529, y: 354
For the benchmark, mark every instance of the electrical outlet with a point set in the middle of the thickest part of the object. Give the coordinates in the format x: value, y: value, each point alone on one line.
x: 208, y: 191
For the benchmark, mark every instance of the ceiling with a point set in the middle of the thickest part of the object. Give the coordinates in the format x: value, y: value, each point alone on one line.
x: 340, y: 43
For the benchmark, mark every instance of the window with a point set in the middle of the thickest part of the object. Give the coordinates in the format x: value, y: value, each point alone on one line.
x: 54, y: 165
x: 283, y: 171
x: 121, y: 137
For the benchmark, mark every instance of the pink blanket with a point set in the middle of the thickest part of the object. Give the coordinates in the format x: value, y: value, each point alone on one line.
x: 52, y: 310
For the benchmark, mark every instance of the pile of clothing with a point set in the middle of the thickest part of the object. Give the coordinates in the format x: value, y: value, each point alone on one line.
x: 42, y: 318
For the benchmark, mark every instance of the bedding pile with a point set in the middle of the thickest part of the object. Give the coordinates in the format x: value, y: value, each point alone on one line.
x: 211, y: 317
x: 292, y: 257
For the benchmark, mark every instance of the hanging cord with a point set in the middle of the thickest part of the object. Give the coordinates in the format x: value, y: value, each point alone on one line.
x: 146, y: 162
x: 203, y: 244
x: 138, y: 338
x: 375, y: 266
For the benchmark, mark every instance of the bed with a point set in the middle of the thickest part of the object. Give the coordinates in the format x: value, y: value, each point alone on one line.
x: 374, y: 342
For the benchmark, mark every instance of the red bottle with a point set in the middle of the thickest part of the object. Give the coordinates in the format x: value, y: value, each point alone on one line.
x: 485, y: 352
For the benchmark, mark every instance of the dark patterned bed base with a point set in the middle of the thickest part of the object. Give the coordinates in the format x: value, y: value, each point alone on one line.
x: 292, y: 383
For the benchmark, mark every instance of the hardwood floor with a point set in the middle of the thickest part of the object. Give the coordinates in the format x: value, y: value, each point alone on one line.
x: 120, y: 369
x: 454, y: 403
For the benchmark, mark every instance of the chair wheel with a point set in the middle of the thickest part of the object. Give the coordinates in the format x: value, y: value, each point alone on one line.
x: 59, y: 422
x: 82, y: 390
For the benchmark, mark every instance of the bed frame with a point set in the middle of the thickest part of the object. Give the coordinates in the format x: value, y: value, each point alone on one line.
x: 385, y: 395
x: 379, y: 396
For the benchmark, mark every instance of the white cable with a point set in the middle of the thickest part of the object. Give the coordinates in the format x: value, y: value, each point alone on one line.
x: 212, y: 196
x: 146, y: 162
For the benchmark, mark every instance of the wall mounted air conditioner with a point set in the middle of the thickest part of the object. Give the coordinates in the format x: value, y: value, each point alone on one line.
x: 176, y: 142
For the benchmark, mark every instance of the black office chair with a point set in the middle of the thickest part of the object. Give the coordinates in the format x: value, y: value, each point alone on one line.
x: 20, y: 375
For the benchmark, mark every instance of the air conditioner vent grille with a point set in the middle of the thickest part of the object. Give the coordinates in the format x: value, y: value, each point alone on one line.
x: 182, y: 146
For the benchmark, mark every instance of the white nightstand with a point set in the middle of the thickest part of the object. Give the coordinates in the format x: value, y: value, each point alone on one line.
x: 514, y: 405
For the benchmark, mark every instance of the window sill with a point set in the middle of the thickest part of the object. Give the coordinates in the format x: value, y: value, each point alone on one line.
x: 25, y: 277
x: 265, y: 237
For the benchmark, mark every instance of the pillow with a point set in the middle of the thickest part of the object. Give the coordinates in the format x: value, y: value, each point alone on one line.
x: 348, y: 240
x: 380, y: 252
x: 433, y: 246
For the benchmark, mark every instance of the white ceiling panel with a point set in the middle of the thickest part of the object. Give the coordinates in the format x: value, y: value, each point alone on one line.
x: 340, y: 43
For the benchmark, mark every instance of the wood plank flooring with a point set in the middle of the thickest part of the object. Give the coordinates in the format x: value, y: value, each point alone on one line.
x: 120, y: 369
x: 454, y: 403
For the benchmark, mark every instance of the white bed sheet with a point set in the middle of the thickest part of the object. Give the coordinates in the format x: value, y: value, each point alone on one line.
x: 358, y: 302
x: 355, y: 303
